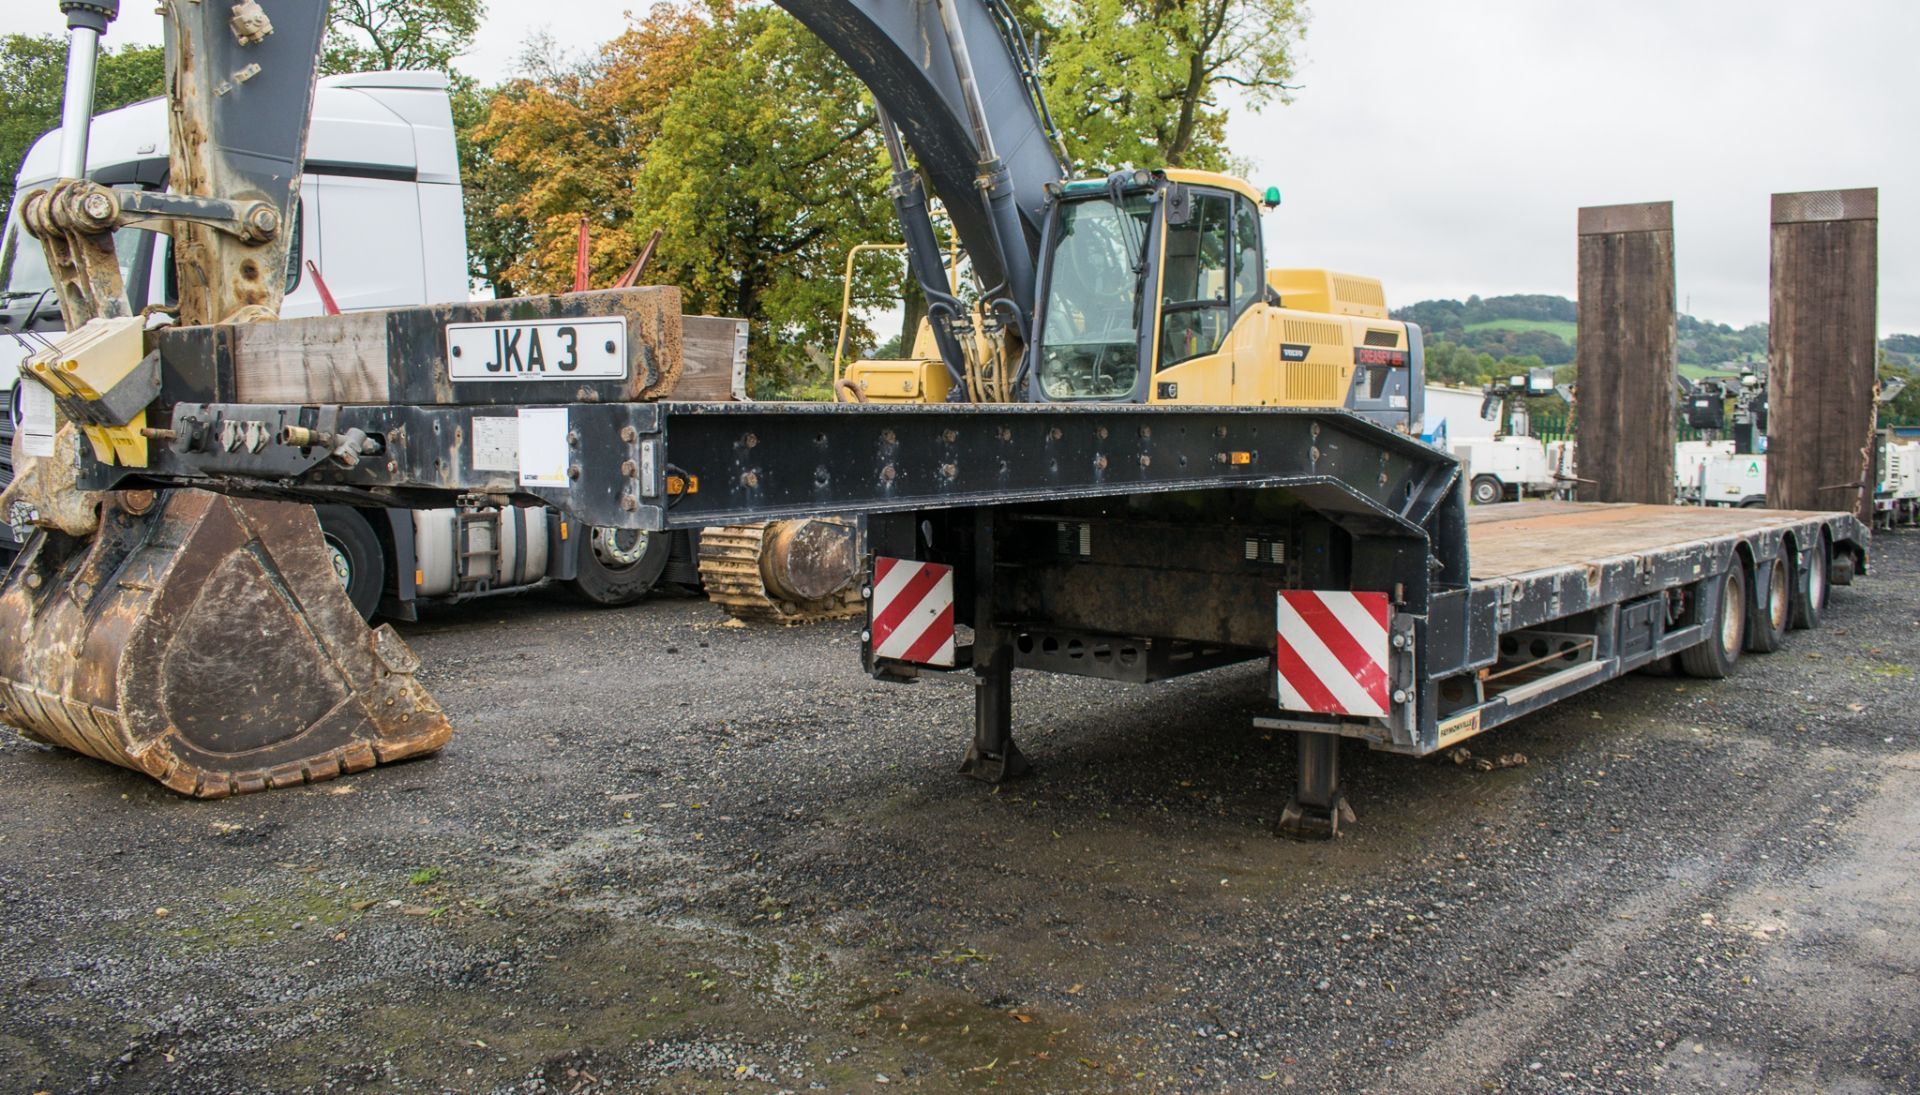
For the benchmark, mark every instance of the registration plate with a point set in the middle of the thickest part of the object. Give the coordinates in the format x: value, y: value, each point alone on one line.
x: 543, y: 349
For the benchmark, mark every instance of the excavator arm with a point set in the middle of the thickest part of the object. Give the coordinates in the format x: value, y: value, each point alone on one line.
x: 204, y: 639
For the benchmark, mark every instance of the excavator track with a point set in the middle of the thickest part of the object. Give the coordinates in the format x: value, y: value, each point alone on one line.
x: 789, y: 572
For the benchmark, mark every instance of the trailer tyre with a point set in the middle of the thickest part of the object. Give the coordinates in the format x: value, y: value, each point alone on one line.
x: 619, y: 566
x: 1714, y: 656
x: 1810, y: 592
x: 1487, y: 490
x: 355, y: 553
x: 1773, y: 607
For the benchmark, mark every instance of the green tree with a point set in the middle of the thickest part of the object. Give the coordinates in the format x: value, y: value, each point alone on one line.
x: 1904, y: 408
x: 33, y: 71
x: 498, y: 234
x: 766, y: 171
x: 370, y: 35
x: 1139, y: 81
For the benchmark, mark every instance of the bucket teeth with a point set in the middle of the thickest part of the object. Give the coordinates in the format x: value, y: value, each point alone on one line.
x: 208, y: 644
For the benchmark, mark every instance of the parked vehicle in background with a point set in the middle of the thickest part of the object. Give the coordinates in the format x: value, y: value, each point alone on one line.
x: 1896, y: 496
x: 1505, y: 469
x: 380, y: 225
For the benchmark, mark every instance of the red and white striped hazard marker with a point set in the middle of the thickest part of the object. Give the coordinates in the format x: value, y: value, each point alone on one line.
x: 911, y: 612
x: 1332, y: 654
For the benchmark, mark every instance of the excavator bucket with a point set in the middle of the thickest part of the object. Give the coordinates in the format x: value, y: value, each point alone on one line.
x: 207, y: 642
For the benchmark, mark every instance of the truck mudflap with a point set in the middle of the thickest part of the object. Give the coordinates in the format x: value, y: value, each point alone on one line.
x: 206, y: 642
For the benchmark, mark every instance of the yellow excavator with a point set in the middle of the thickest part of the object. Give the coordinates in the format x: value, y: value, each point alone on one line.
x: 205, y: 640
x: 1230, y: 333
x: 1224, y: 330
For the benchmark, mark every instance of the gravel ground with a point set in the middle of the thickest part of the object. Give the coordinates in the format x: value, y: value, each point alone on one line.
x: 662, y: 853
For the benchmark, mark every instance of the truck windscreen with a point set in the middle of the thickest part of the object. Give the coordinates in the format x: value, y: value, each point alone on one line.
x: 1090, y: 341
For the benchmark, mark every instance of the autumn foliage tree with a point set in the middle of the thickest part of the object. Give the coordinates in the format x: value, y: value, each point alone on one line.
x: 571, y: 138
x: 736, y: 134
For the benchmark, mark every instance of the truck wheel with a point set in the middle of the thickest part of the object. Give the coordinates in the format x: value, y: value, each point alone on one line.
x: 618, y: 566
x: 1810, y: 592
x: 1487, y: 490
x: 1767, y: 626
x: 356, y: 555
x: 1714, y: 656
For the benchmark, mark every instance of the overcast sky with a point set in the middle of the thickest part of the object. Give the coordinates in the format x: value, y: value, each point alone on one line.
x: 1445, y: 146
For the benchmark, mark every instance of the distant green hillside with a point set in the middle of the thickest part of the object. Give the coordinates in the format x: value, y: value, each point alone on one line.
x: 1562, y: 328
x: 1469, y: 342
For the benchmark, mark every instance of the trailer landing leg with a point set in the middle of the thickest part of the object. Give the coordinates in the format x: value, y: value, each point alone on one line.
x: 993, y: 757
x: 1318, y: 806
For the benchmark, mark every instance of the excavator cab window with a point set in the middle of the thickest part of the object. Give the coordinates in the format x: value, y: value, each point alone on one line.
x: 1249, y: 266
x: 1090, y: 341
x: 1195, y: 308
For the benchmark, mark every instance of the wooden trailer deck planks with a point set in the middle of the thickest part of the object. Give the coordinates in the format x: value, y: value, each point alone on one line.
x: 1505, y: 541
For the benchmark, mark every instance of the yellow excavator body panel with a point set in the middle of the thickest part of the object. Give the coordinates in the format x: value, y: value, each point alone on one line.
x: 912, y: 380
x: 1329, y: 291
x: 1285, y: 357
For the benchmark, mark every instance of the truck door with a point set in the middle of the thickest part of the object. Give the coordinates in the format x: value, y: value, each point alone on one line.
x: 374, y: 249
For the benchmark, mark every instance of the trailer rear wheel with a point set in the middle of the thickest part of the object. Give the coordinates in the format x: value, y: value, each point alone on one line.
x: 1713, y: 657
x: 1487, y: 490
x: 1767, y: 627
x: 1810, y: 592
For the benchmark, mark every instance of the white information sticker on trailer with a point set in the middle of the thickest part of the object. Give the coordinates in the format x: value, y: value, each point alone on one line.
x: 587, y: 348
x: 543, y: 447
x: 496, y: 444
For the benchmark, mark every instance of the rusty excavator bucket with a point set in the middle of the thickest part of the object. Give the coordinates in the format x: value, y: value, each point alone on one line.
x: 206, y: 642
x: 202, y: 640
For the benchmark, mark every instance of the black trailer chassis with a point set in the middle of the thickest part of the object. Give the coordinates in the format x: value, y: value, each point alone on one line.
x: 1123, y: 542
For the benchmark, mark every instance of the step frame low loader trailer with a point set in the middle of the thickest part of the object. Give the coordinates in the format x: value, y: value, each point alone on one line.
x: 1109, y: 539
x: 1123, y: 542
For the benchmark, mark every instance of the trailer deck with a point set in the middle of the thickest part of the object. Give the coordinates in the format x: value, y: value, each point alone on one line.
x: 1519, y: 539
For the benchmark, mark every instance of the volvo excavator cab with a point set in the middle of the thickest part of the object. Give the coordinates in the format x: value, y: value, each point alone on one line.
x: 1154, y: 289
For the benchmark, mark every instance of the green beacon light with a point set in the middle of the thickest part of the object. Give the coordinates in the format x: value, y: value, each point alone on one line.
x: 1271, y: 198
